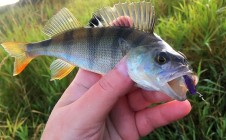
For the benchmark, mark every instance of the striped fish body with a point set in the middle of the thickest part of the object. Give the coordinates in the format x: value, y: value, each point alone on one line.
x: 93, y: 49
x: 113, y: 32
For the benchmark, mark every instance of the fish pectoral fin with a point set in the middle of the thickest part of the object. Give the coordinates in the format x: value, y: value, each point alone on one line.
x: 61, y: 22
x: 140, y: 14
x: 17, y: 50
x: 124, y: 46
x: 60, y: 68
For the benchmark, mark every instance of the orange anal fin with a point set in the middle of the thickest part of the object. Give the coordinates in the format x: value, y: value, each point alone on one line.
x: 59, y: 69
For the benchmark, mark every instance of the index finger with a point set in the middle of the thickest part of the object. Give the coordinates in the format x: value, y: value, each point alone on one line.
x: 81, y: 83
x: 101, y: 97
x: 149, y: 119
x: 141, y: 99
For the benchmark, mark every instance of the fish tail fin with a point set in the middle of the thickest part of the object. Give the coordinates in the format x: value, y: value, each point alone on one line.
x: 18, y: 51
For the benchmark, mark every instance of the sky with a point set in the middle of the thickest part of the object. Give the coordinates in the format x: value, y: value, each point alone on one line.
x: 7, y: 2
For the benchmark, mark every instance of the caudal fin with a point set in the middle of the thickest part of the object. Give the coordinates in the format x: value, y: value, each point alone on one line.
x: 17, y: 50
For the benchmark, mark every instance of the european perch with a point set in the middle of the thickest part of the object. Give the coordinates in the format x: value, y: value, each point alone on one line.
x: 152, y: 63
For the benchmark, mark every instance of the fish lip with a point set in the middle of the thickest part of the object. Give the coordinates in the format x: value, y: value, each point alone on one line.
x: 180, y: 96
x: 174, y: 94
x: 174, y: 73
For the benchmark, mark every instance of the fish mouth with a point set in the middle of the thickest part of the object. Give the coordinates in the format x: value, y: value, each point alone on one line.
x: 178, y: 87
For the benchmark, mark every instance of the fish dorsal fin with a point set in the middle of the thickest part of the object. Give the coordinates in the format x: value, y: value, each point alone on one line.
x: 142, y: 15
x: 61, y: 22
x: 60, y: 68
x: 94, y: 22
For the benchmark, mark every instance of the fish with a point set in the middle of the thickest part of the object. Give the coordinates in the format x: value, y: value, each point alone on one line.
x: 152, y: 63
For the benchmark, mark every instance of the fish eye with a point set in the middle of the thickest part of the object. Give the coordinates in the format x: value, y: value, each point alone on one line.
x: 161, y: 58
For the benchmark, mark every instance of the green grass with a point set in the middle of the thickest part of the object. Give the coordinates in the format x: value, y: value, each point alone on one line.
x: 195, y: 27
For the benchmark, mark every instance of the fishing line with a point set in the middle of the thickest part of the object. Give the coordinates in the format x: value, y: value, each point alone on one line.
x: 201, y: 96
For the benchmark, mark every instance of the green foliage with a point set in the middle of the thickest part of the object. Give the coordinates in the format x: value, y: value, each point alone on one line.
x: 195, y: 27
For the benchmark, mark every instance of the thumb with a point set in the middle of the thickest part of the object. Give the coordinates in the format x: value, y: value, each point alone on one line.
x: 101, y: 97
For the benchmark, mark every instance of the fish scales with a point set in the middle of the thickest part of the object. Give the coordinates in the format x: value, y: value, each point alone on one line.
x: 95, y: 49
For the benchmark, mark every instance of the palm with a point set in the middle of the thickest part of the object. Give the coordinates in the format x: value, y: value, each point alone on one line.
x: 120, y: 124
x: 126, y: 119
x: 123, y: 119
x: 94, y: 108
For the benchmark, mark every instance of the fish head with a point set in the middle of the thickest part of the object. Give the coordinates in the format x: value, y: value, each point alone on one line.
x: 158, y: 67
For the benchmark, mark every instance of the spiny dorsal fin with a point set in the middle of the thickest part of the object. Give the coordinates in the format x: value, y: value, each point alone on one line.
x: 94, y: 22
x: 60, y: 68
x: 141, y: 13
x: 61, y: 22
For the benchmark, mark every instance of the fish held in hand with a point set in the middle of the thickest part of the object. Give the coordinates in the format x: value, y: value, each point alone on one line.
x: 126, y: 29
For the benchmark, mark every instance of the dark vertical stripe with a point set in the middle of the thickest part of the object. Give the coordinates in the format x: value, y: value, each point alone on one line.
x: 91, y: 47
x: 139, y: 40
x: 94, y: 37
x: 46, y: 43
x: 99, y: 35
x: 39, y: 48
x: 67, y: 43
x: 121, y: 33
x: 30, y: 48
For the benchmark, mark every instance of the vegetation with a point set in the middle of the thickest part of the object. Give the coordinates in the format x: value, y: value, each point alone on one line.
x: 195, y: 27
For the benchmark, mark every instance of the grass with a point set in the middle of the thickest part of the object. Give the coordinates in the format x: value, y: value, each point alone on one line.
x: 195, y: 27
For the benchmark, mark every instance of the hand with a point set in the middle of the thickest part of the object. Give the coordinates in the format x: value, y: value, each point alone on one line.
x: 109, y: 107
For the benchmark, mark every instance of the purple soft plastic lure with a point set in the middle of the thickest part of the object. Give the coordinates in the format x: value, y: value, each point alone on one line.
x: 190, y: 84
x: 191, y: 87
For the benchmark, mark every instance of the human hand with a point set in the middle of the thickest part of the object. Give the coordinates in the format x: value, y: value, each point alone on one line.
x: 109, y: 107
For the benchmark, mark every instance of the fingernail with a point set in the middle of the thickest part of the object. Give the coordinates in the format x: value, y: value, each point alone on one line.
x: 121, y: 67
